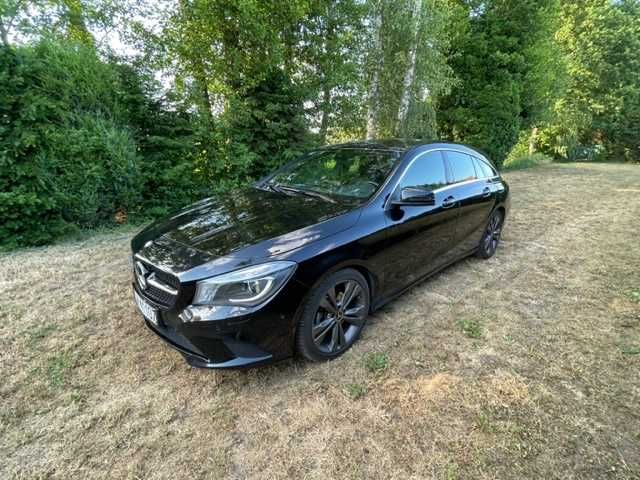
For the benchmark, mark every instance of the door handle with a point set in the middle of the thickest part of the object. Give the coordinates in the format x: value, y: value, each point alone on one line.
x: 449, y: 202
x: 486, y: 192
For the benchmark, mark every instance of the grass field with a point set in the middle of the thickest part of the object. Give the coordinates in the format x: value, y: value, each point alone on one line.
x: 523, y: 366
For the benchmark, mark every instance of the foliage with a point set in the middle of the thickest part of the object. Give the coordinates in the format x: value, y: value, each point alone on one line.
x: 247, y: 85
x: 599, y: 116
x: 66, y: 160
x: 526, y: 161
x: 376, y: 362
x: 323, y: 52
x: 472, y: 328
x: 261, y: 129
x: 497, y: 56
x: 403, y: 30
x: 73, y: 20
x: 166, y: 140
x: 355, y: 391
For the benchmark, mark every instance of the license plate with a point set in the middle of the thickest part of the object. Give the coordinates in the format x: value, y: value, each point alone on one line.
x: 147, y: 310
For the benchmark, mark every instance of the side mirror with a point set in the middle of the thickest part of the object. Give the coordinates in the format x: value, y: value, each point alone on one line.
x: 416, y: 196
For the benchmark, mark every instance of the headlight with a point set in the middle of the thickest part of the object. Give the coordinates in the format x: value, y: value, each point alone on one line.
x: 246, y: 287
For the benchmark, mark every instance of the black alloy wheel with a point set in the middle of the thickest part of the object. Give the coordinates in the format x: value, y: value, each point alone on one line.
x: 491, y: 236
x: 333, y: 315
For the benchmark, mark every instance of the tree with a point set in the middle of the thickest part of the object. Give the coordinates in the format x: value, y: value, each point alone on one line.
x: 410, y: 71
x: 411, y: 38
x: 495, y: 60
x: 601, y: 41
x: 262, y: 128
x: 375, y: 65
x: 325, y: 61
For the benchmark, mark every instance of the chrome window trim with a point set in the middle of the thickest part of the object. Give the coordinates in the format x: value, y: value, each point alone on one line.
x: 491, y: 167
x: 466, y: 182
x: 421, y: 154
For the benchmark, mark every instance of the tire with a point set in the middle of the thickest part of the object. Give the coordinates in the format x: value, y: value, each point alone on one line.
x: 491, y: 236
x: 327, y: 328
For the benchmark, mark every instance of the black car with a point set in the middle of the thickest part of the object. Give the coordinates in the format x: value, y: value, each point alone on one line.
x: 297, y: 262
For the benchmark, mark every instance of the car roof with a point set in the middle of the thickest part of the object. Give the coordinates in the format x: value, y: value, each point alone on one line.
x: 396, y: 144
x: 404, y: 145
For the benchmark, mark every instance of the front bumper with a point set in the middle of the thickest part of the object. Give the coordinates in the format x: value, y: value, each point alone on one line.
x: 245, y: 341
x: 231, y: 353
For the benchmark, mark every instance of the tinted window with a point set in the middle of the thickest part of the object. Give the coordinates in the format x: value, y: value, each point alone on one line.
x: 338, y: 171
x: 461, y: 166
x: 484, y: 170
x: 426, y: 172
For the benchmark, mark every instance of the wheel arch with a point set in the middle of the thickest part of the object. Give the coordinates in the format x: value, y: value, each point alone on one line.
x: 322, y: 268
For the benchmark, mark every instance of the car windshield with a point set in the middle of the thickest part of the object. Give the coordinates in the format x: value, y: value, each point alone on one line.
x: 346, y: 172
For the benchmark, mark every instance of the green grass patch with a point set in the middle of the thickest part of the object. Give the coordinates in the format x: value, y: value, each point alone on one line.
x: 471, y: 328
x: 526, y: 161
x: 452, y: 471
x: 37, y: 334
x: 57, y: 369
x: 484, y: 422
x: 634, y: 295
x: 376, y: 362
x: 631, y: 350
x: 355, y: 390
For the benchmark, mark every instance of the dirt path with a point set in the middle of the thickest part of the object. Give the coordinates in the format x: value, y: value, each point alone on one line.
x: 523, y: 366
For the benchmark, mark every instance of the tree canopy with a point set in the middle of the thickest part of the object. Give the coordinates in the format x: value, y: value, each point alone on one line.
x: 133, y: 108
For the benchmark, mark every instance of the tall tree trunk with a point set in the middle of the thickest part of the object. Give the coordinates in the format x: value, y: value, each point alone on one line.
x: 329, y: 51
x: 3, y: 34
x: 324, y: 122
x: 410, y: 73
x: 373, y: 96
x: 206, y: 101
x: 200, y: 76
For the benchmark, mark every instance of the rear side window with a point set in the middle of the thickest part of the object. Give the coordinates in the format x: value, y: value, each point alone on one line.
x: 462, y: 168
x: 483, y: 170
x: 426, y: 172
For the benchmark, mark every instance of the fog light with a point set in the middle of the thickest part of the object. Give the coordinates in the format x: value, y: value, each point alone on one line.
x: 186, y: 315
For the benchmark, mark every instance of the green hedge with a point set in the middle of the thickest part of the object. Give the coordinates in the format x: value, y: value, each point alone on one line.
x: 66, y: 159
x: 80, y: 140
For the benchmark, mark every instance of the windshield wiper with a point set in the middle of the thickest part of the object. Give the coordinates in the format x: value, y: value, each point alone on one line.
x: 288, y: 190
x: 306, y: 192
x: 273, y: 187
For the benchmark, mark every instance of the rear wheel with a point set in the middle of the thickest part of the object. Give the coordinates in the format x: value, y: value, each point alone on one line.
x: 333, y: 315
x: 491, y: 236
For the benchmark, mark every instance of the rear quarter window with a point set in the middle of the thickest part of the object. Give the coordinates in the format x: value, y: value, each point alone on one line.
x: 484, y: 169
x: 461, y: 165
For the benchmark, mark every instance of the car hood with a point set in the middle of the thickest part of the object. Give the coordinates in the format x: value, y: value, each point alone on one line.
x: 251, y: 223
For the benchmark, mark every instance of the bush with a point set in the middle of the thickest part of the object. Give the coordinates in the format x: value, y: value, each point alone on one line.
x: 167, y: 144
x: 526, y: 161
x: 67, y: 157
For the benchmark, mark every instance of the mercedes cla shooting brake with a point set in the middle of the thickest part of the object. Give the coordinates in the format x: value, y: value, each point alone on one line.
x: 296, y: 262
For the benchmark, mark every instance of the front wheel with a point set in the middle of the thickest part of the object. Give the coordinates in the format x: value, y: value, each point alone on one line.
x: 333, y: 315
x: 491, y: 237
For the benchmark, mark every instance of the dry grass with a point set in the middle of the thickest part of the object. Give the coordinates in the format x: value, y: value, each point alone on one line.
x: 550, y: 388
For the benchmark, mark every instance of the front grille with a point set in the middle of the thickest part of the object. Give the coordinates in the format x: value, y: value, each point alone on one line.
x: 153, y: 275
x: 167, y: 278
x: 159, y: 296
